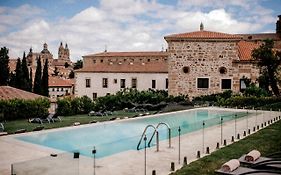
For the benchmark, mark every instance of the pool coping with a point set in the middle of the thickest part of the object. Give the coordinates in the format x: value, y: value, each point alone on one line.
x: 46, y: 150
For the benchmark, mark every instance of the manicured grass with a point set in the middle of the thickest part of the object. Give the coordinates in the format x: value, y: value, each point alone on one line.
x: 267, y: 141
x: 12, y: 126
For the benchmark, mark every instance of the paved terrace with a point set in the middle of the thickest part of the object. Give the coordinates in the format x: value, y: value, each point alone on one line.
x: 34, y: 159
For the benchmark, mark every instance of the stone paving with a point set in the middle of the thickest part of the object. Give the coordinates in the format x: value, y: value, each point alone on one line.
x: 33, y: 159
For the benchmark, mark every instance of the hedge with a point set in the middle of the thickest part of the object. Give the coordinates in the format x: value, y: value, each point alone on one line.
x: 24, y: 109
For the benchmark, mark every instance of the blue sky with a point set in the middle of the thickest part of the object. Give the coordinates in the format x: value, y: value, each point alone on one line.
x: 88, y: 26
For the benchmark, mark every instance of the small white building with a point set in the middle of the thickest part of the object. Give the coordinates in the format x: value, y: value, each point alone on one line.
x: 59, y: 87
x: 109, y: 72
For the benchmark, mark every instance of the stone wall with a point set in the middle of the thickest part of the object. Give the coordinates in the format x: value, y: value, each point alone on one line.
x: 204, y: 59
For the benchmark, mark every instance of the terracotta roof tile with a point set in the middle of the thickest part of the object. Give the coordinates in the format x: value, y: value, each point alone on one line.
x: 261, y: 36
x: 202, y: 34
x: 7, y: 93
x: 59, y: 82
x: 245, y: 50
x: 128, y: 54
x: 125, y: 67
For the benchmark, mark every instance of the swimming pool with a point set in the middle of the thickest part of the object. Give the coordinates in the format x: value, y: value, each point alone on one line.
x: 114, y: 137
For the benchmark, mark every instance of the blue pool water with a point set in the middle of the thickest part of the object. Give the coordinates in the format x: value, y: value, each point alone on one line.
x: 114, y: 137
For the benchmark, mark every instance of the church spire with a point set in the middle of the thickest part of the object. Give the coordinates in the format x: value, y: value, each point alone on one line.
x: 201, y: 26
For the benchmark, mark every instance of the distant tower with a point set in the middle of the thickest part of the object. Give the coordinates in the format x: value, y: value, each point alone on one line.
x: 278, y: 25
x: 66, y: 52
x: 61, y: 51
x: 201, y: 26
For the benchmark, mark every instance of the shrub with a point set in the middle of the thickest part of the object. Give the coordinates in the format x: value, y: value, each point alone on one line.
x: 64, y: 107
x: 23, y: 109
x: 77, y: 105
x: 253, y: 90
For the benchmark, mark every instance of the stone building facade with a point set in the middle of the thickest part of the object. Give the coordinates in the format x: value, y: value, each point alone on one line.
x: 206, y: 62
x: 109, y: 72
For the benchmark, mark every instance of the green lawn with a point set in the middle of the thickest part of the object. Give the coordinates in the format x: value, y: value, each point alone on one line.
x: 267, y: 141
x: 12, y: 126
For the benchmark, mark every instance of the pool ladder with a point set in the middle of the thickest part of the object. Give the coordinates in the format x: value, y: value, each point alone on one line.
x: 157, y: 135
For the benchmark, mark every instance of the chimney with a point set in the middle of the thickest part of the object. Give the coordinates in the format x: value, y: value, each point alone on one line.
x: 278, y: 25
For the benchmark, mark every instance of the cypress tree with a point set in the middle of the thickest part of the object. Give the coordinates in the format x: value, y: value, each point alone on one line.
x: 45, y: 80
x: 19, y: 75
x: 38, y: 78
x: 25, y: 74
x: 12, y: 81
x: 30, y: 80
x: 4, y: 66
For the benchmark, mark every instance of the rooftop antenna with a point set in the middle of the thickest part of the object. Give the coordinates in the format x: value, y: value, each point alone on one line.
x: 105, y: 48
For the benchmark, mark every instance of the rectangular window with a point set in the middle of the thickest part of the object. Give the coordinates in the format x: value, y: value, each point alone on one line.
x: 226, y: 84
x: 115, y: 81
x: 61, y: 89
x: 153, y: 85
x: 203, y: 83
x: 53, y: 89
x: 167, y: 83
x: 122, y: 83
x: 107, y: 94
x: 88, y: 83
x: 58, y: 89
x: 95, y: 95
x: 104, y: 82
x: 134, y: 83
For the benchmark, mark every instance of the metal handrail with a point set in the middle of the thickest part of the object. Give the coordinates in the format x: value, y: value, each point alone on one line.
x: 157, y: 136
x: 144, y: 131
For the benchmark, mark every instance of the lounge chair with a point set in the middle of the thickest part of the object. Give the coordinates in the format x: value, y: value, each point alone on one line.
x: 35, y: 120
x: 246, y: 171
x: 254, y: 160
x: 233, y: 167
x: 54, y: 117
x: 2, y: 128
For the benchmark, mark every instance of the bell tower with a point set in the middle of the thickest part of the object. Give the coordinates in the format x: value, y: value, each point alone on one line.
x: 61, y: 51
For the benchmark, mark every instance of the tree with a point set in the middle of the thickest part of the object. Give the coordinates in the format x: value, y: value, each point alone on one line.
x: 19, y: 75
x: 38, y: 77
x: 25, y: 74
x: 30, y: 79
x: 4, y: 66
x: 66, y: 65
x: 71, y: 74
x: 12, y: 81
x: 45, y: 80
x: 56, y: 72
x: 268, y: 61
x: 78, y: 64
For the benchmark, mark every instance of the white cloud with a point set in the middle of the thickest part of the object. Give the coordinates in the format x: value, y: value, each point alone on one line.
x: 127, y: 25
x: 16, y: 17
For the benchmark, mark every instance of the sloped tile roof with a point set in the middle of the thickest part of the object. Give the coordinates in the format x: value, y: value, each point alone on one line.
x: 59, y: 82
x: 245, y: 50
x: 261, y: 36
x: 8, y: 92
x: 125, y: 67
x: 203, y: 34
x: 128, y: 54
